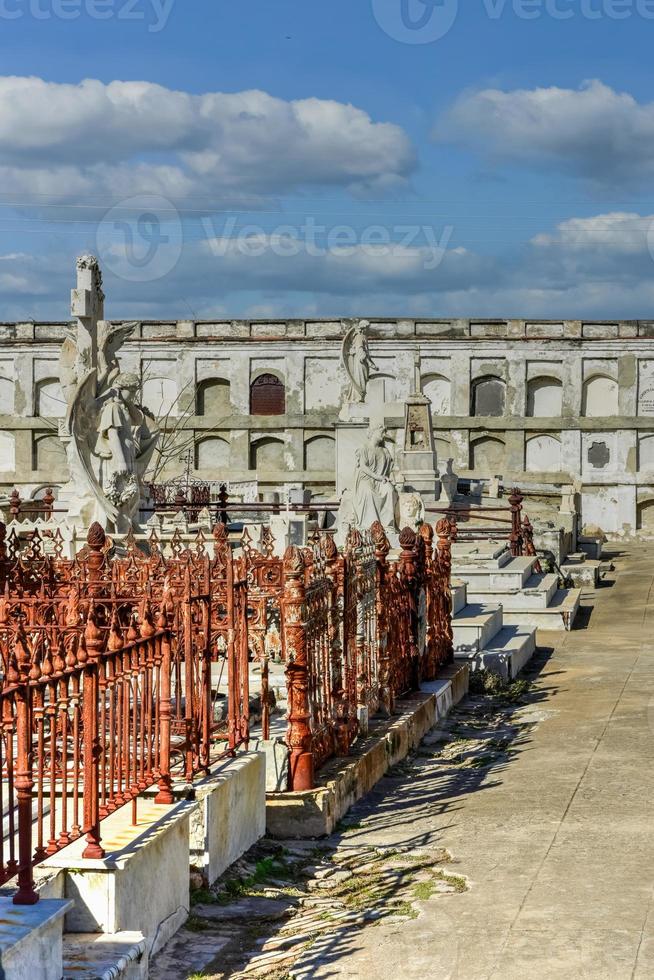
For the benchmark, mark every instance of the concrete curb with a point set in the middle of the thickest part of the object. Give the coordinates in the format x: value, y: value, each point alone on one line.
x: 316, y: 812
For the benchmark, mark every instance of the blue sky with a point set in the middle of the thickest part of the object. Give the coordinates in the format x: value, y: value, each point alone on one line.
x: 296, y: 158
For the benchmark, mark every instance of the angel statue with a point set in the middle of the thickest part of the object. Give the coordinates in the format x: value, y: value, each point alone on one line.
x: 125, y: 442
x: 374, y: 496
x: 357, y: 361
x: 109, y: 437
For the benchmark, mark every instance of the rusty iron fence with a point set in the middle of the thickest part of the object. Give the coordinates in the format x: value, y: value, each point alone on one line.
x: 127, y: 667
x: 86, y: 728
x: 506, y: 522
x: 121, y: 670
x: 359, y: 631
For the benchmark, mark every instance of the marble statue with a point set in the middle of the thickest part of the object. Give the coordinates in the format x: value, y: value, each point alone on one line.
x: 109, y: 437
x: 357, y: 361
x: 374, y: 496
x: 124, y: 441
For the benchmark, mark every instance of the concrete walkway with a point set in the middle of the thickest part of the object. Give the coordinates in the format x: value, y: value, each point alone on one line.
x: 538, y: 808
x: 558, y: 843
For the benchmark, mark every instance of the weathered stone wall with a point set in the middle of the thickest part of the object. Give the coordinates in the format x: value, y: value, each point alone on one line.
x: 538, y: 402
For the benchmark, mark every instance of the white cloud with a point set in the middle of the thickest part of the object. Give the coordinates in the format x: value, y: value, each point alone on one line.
x: 615, y: 248
x: 617, y: 232
x: 593, y: 131
x: 101, y: 142
x: 596, y: 267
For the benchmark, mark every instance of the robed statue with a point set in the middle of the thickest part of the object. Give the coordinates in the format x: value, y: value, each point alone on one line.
x: 125, y: 440
x: 357, y: 361
x: 374, y: 497
x: 109, y: 436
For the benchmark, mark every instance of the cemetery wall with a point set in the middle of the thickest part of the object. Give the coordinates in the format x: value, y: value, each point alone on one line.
x: 540, y: 403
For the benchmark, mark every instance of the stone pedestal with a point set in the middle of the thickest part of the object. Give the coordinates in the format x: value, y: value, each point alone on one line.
x: 231, y: 813
x: 420, y: 475
x: 418, y: 460
x: 143, y: 882
x: 31, y: 939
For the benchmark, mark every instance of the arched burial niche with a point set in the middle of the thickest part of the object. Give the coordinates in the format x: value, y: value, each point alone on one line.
x: 543, y: 455
x: 7, y: 395
x: 267, y: 454
x: 489, y: 397
x: 320, y: 454
x: 646, y: 454
x: 645, y: 516
x: 212, y: 397
x: 50, y: 401
x: 544, y: 398
x: 159, y: 394
x: 438, y: 391
x: 267, y: 395
x: 212, y: 453
x: 7, y: 452
x: 48, y: 454
x: 443, y: 450
x: 600, y: 397
x: 381, y: 388
x: 487, y: 456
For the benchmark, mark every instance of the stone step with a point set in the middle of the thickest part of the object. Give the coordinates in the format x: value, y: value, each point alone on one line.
x: 506, y: 654
x: 559, y: 615
x: 584, y: 574
x: 591, y: 546
x: 31, y: 938
x: 494, y: 552
x: 576, y: 558
x: 104, y: 956
x: 537, y: 593
x: 515, y: 573
x: 459, y: 597
x: 476, y: 625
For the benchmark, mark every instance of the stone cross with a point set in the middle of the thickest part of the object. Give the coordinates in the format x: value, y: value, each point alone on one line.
x: 417, y: 375
x: 87, y: 306
x: 109, y: 439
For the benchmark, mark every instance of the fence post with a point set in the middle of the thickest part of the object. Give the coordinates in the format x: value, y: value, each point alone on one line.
x: 223, y: 497
x: 382, y: 548
x: 95, y: 540
x: 409, y: 573
x: 91, y: 647
x: 265, y: 697
x: 48, y: 503
x: 223, y: 550
x: 165, y: 794
x: 529, y: 547
x: 354, y: 564
x: 243, y: 654
x: 446, y: 531
x: 429, y: 583
x: 190, y: 671
x: 297, y: 671
x: 24, y: 783
x: 180, y: 501
x: 515, y: 501
x: 15, y: 504
x: 4, y: 564
x: 336, y: 573
x: 207, y: 693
